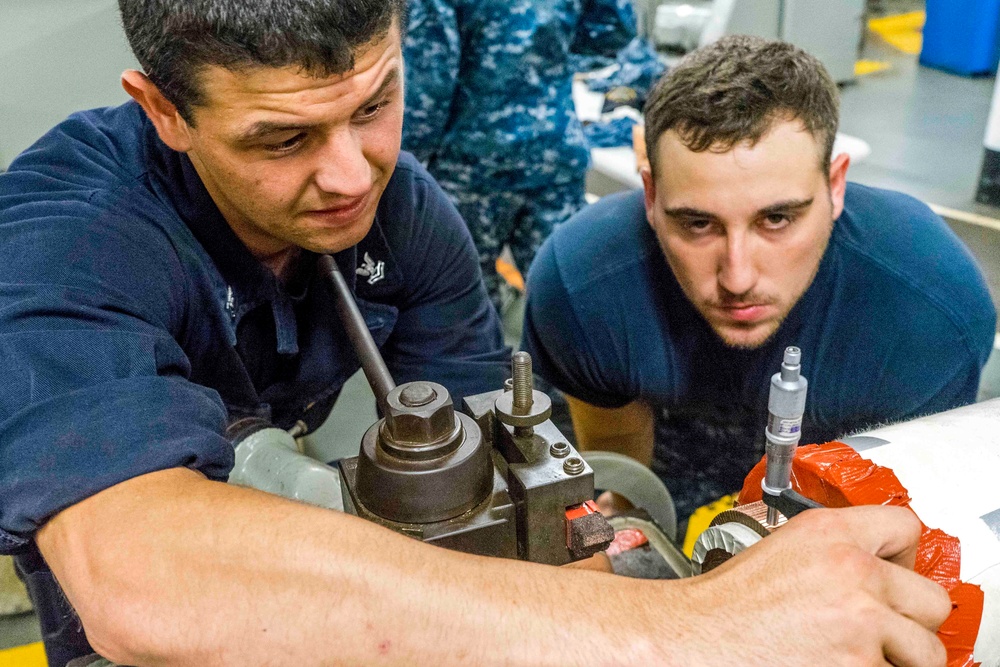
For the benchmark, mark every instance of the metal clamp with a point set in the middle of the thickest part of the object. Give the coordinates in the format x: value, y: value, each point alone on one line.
x: 790, y: 503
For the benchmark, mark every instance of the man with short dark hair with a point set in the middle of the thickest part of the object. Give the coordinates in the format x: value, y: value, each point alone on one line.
x: 157, y: 280
x: 766, y: 246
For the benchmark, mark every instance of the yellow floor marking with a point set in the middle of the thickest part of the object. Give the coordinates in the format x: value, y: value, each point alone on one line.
x: 899, y: 22
x: 32, y: 655
x: 702, y: 517
x: 863, y: 67
x: 903, y: 31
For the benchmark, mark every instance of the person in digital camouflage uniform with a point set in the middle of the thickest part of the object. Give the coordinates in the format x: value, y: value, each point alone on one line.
x: 489, y: 110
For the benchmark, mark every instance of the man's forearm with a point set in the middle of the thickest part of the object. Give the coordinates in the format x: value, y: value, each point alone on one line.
x: 627, y: 430
x: 170, y: 568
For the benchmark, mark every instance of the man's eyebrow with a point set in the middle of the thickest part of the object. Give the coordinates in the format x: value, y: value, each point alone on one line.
x: 263, y: 128
x: 785, y: 207
x: 688, y: 212
x: 389, y: 80
x: 779, y: 207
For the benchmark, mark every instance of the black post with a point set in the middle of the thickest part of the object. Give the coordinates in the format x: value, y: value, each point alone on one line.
x: 988, y: 191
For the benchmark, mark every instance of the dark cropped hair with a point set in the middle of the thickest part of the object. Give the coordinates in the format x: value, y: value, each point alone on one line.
x: 735, y: 89
x: 174, y: 39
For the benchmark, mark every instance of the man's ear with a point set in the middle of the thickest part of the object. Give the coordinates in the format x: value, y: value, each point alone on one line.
x: 649, y: 189
x: 838, y: 182
x: 172, y: 128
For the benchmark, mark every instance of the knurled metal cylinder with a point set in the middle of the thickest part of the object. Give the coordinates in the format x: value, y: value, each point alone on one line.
x: 730, y: 533
x: 524, y: 383
x: 778, y: 472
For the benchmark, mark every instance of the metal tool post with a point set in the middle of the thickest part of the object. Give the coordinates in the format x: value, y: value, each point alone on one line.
x: 498, y: 480
x: 786, y: 405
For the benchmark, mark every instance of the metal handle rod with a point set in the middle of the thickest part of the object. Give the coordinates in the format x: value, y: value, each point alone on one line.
x: 357, y: 331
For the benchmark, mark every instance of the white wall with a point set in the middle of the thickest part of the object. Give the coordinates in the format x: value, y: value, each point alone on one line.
x: 56, y: 57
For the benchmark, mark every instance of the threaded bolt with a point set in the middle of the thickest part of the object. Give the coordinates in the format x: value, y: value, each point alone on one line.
x: 524, y: 383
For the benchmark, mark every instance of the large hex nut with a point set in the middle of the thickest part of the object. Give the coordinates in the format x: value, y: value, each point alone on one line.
x: 423, y: 424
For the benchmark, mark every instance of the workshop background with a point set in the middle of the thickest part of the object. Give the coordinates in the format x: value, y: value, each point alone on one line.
x: 916, y: 103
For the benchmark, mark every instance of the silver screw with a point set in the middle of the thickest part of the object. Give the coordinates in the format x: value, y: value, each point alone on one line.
x: 573, y: 466
x: 524, y: 383
x: 559, y: 450
x: 508, y: 384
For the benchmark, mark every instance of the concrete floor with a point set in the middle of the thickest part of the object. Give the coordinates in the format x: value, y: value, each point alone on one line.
x: 925, y: 128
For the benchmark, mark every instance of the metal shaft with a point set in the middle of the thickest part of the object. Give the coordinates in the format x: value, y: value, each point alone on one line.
x: 357, y: 331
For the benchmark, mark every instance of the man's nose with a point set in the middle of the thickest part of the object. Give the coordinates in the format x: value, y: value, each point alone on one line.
x: 737, y: 271
x: 342, y: 167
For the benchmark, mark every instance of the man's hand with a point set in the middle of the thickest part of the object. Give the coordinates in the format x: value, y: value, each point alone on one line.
x: 833, y: 587
x: 611, y: 504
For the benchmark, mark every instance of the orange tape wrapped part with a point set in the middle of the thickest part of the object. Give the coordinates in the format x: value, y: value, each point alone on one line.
x: 837, y: 476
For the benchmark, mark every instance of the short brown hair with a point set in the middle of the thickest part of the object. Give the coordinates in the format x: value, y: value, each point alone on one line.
x: 735, y: 89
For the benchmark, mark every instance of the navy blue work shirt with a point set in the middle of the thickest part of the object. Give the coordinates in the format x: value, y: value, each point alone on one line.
x: 489, y: 100
x: 134, y: 324
x: 897, y: 323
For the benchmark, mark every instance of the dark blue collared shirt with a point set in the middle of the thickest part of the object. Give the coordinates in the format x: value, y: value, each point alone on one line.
x: 134, y: 324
